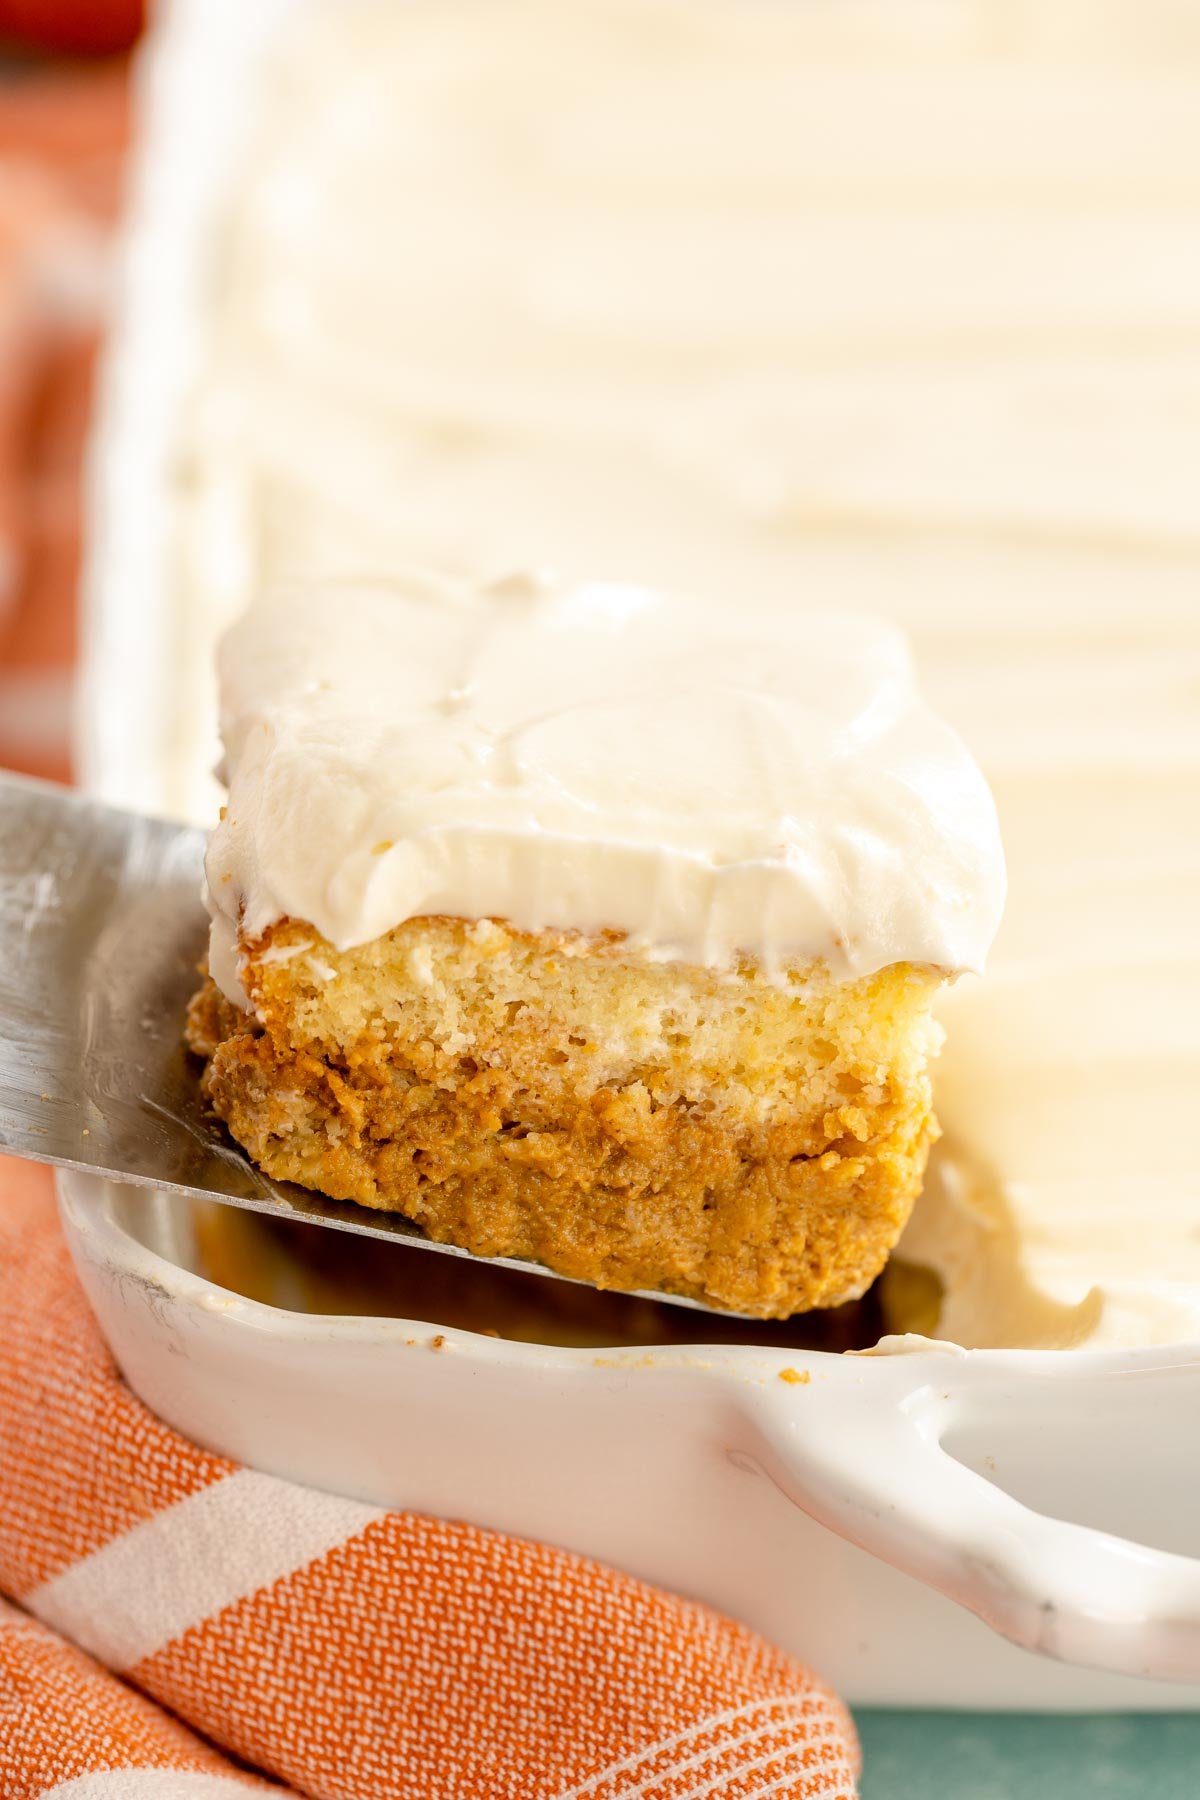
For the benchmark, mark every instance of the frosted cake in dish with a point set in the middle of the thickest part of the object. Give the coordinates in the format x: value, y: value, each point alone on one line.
x: 589, y: 925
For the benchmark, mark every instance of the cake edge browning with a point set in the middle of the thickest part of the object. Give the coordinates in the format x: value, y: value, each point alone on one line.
x: 753, y: 1143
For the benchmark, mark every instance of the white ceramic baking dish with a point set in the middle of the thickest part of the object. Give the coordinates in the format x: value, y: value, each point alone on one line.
x: 841, y: 1509
x: 854, y: 1516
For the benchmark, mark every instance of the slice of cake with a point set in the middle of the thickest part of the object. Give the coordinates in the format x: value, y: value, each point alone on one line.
x: 591, y: 925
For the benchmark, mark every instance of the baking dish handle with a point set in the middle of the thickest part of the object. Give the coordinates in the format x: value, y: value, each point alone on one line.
x: 871, y: 1466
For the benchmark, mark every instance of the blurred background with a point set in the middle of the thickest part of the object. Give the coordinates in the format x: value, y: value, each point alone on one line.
x: 63, y: 130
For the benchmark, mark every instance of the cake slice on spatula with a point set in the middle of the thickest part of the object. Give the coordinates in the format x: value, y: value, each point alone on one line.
x: 591, y: 926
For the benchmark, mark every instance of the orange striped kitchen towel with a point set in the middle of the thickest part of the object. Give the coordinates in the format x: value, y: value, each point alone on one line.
x: 68, y: 1727
x: 344, y: 1650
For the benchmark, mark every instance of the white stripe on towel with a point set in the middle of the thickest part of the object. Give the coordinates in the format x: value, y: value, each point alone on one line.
x: 152, y: 1784
x: 148, y: 1586
x: 683, y: 1740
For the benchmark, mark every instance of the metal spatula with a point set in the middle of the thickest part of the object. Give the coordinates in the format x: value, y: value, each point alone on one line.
x: 101, y: 935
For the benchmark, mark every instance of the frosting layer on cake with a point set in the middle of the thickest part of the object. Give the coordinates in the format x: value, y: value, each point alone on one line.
x: 710, y: 779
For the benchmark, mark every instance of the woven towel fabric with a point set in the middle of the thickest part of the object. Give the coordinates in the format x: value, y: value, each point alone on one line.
x: 69, y: 1727
x: 348, y: 1651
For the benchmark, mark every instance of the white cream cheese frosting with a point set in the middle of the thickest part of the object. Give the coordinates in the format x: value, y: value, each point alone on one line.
x: 708, y: 778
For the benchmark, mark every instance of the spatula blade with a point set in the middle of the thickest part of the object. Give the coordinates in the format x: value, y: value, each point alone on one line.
x: 101, y: 937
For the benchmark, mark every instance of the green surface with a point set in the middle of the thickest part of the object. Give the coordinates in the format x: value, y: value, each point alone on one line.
x: 1029, y: 1756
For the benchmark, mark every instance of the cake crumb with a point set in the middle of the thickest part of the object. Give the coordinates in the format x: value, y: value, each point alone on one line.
x: 795, y: 1376
x: 438, y: 1342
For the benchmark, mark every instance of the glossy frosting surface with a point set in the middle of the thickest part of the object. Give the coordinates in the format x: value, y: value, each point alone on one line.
x: 893, y: 306
x: 708, y: 778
